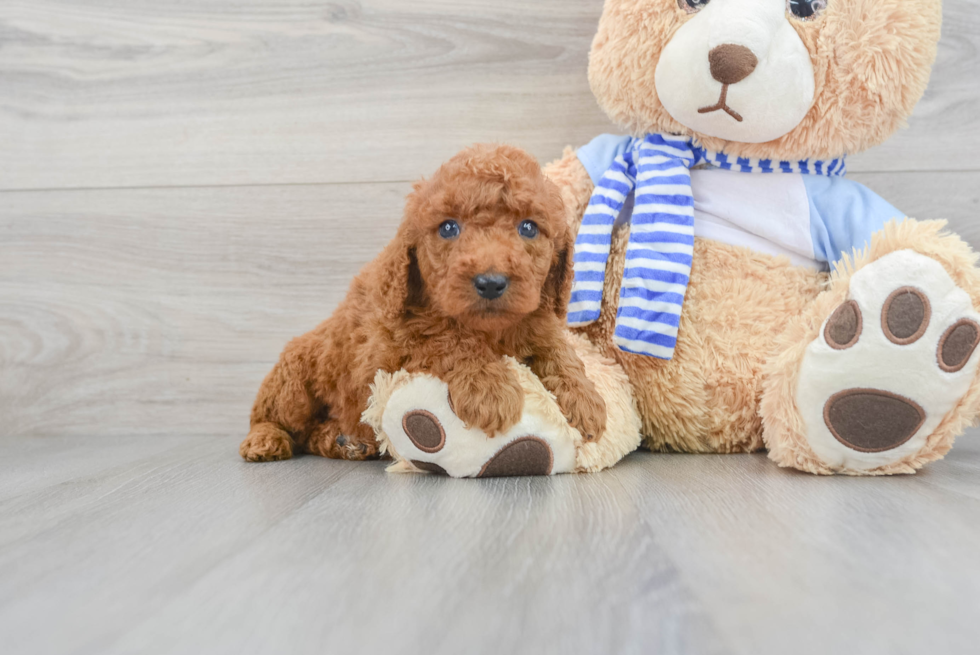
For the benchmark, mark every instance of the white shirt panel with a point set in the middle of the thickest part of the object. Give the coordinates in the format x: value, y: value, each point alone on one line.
x: 766, y: 213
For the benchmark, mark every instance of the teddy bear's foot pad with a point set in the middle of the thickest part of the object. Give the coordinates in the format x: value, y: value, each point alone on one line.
x: 435, y: 440
x: 892, y: 361
x: 522, y: 457
x: 872, y: 421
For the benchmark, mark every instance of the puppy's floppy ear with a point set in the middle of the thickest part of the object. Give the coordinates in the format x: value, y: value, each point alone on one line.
x: 400, y: 287
x: 558, y: 285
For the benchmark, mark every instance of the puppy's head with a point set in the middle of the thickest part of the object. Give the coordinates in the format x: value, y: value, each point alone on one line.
x: 485, y: 241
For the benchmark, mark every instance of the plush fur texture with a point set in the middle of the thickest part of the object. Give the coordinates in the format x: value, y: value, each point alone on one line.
x: 576, y: 187
x: 706, y: 398
x: 871, y: 59
x: 623, y: 425
x: 415, y: 308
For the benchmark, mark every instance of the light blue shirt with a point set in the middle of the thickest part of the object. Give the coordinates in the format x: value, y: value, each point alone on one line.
x: 842, y: 216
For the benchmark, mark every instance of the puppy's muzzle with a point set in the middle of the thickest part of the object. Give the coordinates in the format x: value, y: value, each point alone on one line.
x: 491, y: 285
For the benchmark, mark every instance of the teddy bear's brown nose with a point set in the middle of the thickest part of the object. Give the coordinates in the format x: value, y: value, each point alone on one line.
x: 730, y: 63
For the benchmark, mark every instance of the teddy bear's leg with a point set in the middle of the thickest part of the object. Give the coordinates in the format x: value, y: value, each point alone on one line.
x: 419, y: 427
x: 622, y: 434
x: 417, y: 423
x: 879, y: 375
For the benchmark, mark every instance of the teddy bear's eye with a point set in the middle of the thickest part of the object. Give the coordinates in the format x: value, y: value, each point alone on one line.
x: 806, y: 9
x: 693, y: 6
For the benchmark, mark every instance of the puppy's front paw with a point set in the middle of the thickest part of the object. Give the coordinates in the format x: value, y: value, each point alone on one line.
x: 583, y: 407
x: 328, y: 440
x: 266, y: 443
x: 492, y: 401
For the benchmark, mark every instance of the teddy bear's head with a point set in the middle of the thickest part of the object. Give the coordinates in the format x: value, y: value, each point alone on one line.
x: 784, y: 79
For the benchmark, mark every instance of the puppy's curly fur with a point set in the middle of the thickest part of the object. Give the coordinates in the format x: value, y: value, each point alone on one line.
x: 416, y: 308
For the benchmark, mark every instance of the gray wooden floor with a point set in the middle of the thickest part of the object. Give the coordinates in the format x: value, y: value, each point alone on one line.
x: 186, y: 185
x: 171, y: 545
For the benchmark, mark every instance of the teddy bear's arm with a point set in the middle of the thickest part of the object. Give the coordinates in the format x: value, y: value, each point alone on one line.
x: 575, y: 184
x: 419, y: 425
x: 844, y: 215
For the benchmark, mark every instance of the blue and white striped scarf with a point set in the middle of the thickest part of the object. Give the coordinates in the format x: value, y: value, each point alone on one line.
x: 661, y: 241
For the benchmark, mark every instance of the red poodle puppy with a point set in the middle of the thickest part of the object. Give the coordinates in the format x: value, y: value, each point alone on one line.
x: 481, y: 267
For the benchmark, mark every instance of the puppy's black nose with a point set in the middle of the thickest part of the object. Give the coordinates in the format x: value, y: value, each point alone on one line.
x: 491, y: 285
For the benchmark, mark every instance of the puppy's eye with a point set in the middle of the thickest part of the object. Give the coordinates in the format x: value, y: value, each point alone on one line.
x: 528, y: 229
x: 694, y: 6
x: 806, y: 9
x: 449, y: 230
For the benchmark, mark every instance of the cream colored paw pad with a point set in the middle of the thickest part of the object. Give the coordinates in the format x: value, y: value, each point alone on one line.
x: 525, y: 456
x: 893, y: 361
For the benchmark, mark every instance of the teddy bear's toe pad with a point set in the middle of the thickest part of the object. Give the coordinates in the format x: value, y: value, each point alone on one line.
x: 906, y: 316
x: 845, y: 326
x: 957, y: 346
x: 892, y: 361
x: 424, y: 430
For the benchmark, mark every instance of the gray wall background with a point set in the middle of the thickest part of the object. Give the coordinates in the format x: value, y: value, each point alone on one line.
x: 185, y: 185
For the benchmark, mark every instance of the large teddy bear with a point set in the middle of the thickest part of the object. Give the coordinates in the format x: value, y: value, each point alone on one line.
x: 751, y: 295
